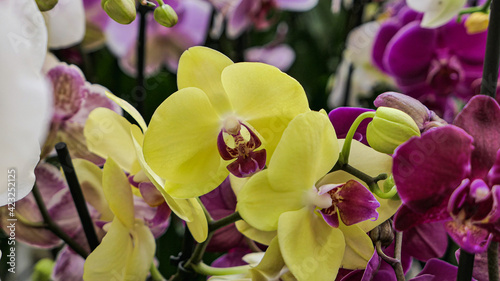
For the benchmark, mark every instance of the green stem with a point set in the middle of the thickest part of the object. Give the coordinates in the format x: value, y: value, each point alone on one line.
x: 155, y: 273
x: 214, y: 225
x: 484, y: 9
x: 398, y: 245
x: 493, y: 261
x: 199, y: 251
x: 395, y: 263
x: 344, y: 154
x: 370, y: 181
x: 26, y: 222
x: 52, y: 226
x: 204, y: 269
x: 197, y: 256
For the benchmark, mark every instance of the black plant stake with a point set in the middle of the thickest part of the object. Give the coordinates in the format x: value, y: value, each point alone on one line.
x: 77, y: 194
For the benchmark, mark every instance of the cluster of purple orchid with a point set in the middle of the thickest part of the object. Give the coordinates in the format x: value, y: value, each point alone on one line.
x: 235, y: 174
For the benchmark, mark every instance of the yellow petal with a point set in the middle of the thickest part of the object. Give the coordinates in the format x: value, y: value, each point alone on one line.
x: 237, y: 183
x: 201, y: 67
x: 373, y: 163
x: 108, y: 135
x: 124, y: 254
x: 358, y: 249
x: 180, y: 144
x: 90, y: 178
x: 311, y: 248
x: 109, y: 260
x: 118, y: 193
x: 271, y: 264
x: 306, y: 152
x: 262, y: 237
x: 265, y: 97
x: 260, y: 206
x: 142, y: 256
x: 183, y: 208
x: 198, y: 225
x: 129, y: 109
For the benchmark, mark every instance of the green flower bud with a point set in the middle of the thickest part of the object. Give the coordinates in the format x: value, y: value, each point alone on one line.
x: 165, y: 15
x: 121, y: 11
x: 43, y: 270
x: 423, y: 117
x: 46, y: 5
x: 389, y: 128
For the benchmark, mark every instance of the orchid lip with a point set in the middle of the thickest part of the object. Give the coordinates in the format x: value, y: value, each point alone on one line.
x: 238, y: 141
x: 351, y: 202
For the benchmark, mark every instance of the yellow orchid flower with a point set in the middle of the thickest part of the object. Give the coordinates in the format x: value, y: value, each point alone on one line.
x: 127, y: 250
x: 316, y: 232
x: 226, y: 117
x: 111, y: 135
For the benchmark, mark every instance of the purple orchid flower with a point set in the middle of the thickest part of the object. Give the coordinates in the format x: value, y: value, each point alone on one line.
x: 234, y: 257
x: 342, y: 119
x: 443, y: 68
x: 57, y: 198
x: 164, y: 46
x: 220, y: 203
x: 480, y: 270
x: 74, y: 99
x: 451, y: 174
x: 274, y: 53
x: 378, y: 270
x: 434, y: 269
x: 96, y: 22
x: 241, y: 15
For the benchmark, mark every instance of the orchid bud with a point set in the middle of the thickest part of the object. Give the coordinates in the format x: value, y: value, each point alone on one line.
x: 46, y: 5
x: 477, y: 22
x: 389, y: 128
x: 383, y: 233
x: 121, y: 11
x: 165, y: 15
x: 423, y: 117
x: 43, y: 270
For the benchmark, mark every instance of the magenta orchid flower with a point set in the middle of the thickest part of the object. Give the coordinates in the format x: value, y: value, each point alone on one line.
x: 436, y: 72
x: 241, y: 15
x: 480, y: 270
x: 74, y: 99
x: 164, y: 46
x: 377, y: 270
x: 275, y: 52
x: 451, y: 174
x: 221, y: 202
